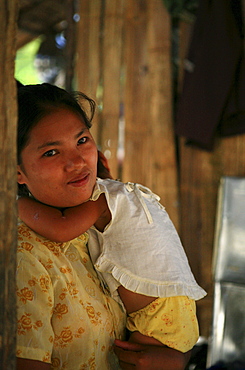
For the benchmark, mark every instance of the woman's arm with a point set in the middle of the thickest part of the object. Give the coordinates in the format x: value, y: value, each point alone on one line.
x: 141, y: 350
x: 54, y: 225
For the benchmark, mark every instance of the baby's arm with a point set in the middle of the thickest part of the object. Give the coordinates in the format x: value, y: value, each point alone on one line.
x: 143, y: 350
x: 63, y: 226
x: 134, y: 302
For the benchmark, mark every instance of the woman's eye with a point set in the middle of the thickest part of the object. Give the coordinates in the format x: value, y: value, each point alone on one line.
x: 82, y: 140
x: 50, y: 153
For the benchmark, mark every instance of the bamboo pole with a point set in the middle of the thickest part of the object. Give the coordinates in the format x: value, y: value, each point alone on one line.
x: 136, y: 165
x: 112, y: 44
x: 163, y: 167
x: 88, y: 55
x: 149, y: 140
x: 8, y: 214
x: 70, y: 44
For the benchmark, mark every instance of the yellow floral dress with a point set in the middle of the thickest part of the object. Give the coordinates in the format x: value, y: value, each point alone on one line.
x: 64, y: 316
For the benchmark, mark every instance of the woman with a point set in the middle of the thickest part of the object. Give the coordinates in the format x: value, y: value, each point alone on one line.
x: 66, y: 318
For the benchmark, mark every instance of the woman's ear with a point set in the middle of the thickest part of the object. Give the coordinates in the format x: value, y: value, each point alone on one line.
x: 20, y: 175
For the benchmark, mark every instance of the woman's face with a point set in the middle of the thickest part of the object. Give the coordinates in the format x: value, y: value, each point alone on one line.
x: 59, y: 162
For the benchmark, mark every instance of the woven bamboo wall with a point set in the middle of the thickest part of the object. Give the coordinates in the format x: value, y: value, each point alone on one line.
x: 123, y: 62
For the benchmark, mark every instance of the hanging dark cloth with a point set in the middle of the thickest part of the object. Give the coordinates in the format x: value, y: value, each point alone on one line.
x: 213, y: 97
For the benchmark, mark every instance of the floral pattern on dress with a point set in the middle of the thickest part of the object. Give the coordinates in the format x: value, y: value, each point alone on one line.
x: 64, y: 316
x: 26, y: 324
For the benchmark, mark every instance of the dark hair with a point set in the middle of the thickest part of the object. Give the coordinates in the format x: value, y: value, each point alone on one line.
x: 37, y: 101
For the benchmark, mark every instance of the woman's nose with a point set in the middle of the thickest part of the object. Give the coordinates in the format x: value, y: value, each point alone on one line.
x: 74, y: 161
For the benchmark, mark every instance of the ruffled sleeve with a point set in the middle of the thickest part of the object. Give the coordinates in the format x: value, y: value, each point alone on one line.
x: 140, y: 248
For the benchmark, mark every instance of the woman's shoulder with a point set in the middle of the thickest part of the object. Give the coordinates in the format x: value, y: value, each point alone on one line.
x: 35, y: 244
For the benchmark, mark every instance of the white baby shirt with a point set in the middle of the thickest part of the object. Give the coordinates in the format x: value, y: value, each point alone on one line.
x: 140, y: 248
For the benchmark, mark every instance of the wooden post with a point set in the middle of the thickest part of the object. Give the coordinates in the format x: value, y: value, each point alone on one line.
x: 163, y: 167
x: 149, y: 139
x: 111, y: 72
x: 70, y: 44
x: 88, y: 56
x: 136, y: 165
x: 8, y: 214
x: 98, y: 68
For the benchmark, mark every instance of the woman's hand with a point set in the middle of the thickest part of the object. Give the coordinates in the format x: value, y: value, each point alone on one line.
x: 25, y: 364
x: 149, y: 357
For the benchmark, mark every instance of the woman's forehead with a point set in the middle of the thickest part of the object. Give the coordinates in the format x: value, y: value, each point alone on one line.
x: 62, y: 117
x: 58, y: 123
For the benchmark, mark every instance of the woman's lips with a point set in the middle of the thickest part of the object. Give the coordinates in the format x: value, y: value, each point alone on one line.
x: 79, y: 181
